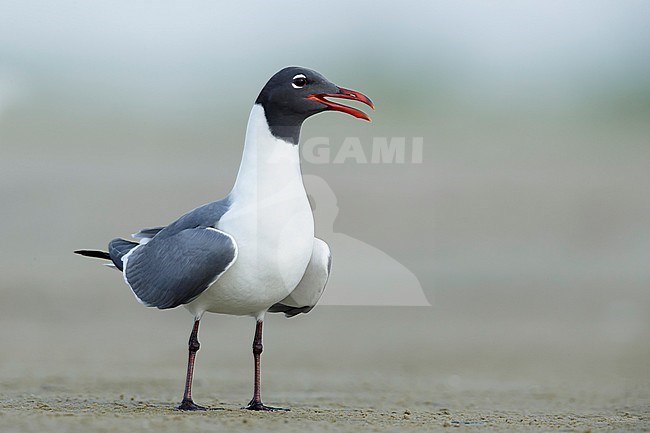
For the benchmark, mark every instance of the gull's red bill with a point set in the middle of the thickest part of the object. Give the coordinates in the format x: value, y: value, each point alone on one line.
x: 344, y: 94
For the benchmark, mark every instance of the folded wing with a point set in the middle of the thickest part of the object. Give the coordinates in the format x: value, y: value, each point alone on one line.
x: 312, y: 285
x: 172, y: 270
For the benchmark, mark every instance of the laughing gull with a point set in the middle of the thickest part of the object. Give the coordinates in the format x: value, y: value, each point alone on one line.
x: 254, y: 250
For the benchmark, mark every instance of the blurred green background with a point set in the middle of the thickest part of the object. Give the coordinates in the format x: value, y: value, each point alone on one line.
x: 527, y: 223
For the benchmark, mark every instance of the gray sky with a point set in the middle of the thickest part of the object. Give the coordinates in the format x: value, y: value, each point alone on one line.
x: 515, y: 47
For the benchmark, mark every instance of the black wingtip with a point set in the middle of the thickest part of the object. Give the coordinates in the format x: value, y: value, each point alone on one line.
x: 94, y: 253
x: 289, y: 311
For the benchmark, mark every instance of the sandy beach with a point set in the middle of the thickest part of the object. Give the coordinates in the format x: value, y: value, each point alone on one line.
x: 116, y: 366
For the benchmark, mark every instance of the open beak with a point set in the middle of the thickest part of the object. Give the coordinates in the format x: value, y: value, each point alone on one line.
x: 344, y: 94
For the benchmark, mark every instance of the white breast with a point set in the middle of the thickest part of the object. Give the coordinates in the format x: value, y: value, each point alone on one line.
x: 272, y: 223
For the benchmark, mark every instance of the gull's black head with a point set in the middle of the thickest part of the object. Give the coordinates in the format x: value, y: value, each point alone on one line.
x: 295, y: 93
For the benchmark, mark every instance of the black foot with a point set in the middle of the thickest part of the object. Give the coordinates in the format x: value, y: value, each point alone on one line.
x: 190, y: 405
x: 257, y: 405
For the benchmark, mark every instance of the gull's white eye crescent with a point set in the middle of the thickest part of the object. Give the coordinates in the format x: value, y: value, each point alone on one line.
x: 299, y: 81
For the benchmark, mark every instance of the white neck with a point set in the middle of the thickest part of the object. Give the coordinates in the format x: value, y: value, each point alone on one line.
x: 269, y: 165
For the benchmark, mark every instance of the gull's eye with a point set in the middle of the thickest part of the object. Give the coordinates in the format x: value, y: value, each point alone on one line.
x: 299, y: 81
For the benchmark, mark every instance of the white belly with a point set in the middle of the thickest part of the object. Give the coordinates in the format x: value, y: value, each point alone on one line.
x: 275, y: 240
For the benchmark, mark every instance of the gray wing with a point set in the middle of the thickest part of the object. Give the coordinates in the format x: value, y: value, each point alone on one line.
x: 312, y: 285
x: 179, y: 261
x: 118, y: 248
x: 203, y: 216
x: 147, y: 233
x: 170, y: 271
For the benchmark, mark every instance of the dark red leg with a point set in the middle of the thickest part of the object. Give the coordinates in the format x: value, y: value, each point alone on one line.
x: 193, y: 346
x: 256, y: 402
